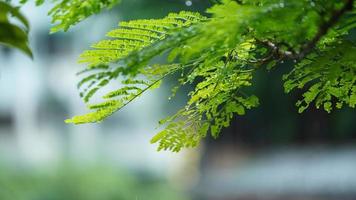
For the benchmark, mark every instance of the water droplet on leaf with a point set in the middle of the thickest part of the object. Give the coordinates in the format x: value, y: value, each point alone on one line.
x: 188, y: 3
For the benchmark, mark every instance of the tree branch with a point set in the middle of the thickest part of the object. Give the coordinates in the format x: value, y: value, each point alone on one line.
x: 280, y: 54
x: 323, y: 29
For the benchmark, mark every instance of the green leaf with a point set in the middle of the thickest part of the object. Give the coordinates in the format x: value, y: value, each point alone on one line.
x: 10, y: 34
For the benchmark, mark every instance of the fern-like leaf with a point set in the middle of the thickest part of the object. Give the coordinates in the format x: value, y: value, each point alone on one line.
x: 329, y: 75
x: 66, y: 13
x: 135, y: 35
x: 131, y: 37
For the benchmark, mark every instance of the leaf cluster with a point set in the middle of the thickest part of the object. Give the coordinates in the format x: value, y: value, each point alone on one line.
x: 66, y: 13
x: 219, y: 55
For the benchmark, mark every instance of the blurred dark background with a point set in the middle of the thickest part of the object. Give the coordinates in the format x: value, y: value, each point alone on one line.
x: 271, y: 153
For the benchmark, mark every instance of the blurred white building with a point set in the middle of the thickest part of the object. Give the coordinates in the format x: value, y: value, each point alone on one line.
x: 38, y: 95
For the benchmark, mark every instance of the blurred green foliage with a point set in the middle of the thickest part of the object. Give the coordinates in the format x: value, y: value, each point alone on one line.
x: 12, y: 34
x: 82, y: 183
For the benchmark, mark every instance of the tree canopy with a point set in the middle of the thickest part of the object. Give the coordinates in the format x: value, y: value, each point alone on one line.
x: 218, y: 52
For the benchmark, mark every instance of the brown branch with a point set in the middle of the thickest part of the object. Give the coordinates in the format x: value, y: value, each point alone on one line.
x: 280, y: 54
x: 323, y: 29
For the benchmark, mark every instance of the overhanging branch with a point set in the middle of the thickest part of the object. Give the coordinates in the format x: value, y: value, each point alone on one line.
x: 280, y: 54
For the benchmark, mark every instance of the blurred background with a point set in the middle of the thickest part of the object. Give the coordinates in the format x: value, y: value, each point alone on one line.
x: 271, y: 153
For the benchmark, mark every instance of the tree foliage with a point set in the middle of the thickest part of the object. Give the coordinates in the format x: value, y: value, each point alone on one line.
x: 64, y: 13
x: 219, y: 53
